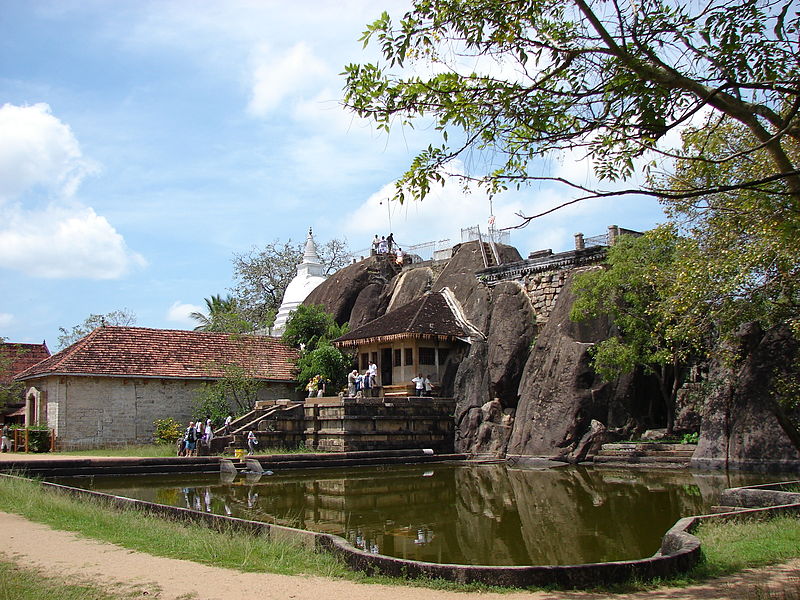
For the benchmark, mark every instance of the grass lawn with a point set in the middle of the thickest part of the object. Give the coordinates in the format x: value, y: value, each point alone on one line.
x: 19, y: 582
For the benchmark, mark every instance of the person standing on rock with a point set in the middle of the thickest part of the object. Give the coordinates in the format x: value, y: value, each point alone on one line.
x: 389, y: 242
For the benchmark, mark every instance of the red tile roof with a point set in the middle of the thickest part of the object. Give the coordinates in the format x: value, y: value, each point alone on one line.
x: 23, y: 356
x: 167, y: 353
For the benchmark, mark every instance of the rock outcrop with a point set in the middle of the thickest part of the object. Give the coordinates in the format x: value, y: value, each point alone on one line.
x: 740, y: 428
x: 560, y: 394
x: 340, y: 292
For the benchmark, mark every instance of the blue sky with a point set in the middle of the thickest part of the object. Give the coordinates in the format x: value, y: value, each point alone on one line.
x: 143, y: 143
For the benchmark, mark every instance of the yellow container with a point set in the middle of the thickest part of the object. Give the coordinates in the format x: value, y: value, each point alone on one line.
x: 238, y: 452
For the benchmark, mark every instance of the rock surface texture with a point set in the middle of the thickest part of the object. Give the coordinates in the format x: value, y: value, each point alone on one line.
x: 739, y: 427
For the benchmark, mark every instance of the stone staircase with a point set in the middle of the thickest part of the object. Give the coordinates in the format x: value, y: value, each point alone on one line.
x: 646, y: 454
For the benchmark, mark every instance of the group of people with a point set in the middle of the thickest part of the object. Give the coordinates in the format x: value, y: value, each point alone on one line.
x: 385, y: 245
x: 197, y: 433
x: 361, y: 384
x: 422, y: 385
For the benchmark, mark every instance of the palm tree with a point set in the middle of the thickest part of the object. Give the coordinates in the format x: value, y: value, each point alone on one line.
x: 222, y: 315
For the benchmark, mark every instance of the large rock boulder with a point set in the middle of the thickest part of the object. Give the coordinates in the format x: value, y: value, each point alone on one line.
x: 740, y: 427
x: 560, y: 394
x: 459, y: 276
x: 487, y: 380
x: 512, y: 327
x: 339, y: 293
x: 408, y: 286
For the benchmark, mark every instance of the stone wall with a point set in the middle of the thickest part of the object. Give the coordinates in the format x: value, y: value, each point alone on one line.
x: 90, y: 412
x: 543, y: 275
x: 353, y: 424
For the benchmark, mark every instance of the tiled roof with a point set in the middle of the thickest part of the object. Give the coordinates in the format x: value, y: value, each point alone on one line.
x: 23, y: 356
x: 430, y: 316
x: 167, y: 353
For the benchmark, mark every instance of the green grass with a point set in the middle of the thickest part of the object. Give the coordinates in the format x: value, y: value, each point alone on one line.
x: 24, y: 583
x: 732, y: 546
x: 162, y: 537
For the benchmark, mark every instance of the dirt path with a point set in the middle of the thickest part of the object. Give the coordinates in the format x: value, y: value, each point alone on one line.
x: 66, y: 554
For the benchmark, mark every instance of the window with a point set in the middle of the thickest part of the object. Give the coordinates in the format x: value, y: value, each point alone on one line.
x: 364, y: 361
x: 375, y: 357
x: 427, y: 356
x: 398, y: 357
x: 409, y: 356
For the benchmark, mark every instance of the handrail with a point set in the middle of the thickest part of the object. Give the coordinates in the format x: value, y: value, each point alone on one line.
x: 483, y: 250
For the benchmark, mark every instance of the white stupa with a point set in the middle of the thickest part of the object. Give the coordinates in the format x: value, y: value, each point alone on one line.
x: 309, y: 276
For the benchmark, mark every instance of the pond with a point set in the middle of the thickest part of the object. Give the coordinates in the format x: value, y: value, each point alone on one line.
x: 464, y: 514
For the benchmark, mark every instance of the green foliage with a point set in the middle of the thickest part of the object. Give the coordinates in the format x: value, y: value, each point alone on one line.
x: 38, y: 437
x: 167, y: 431
x: 12, y: 391
x: 526, y: 79
x: 310, y: 326
x: 739, y: 259
x: 116, y: 318
x: 637, y: 291
x: 236, y: 392
x: 325, y: 363
x: 690, y: 438
x: 223, y: 315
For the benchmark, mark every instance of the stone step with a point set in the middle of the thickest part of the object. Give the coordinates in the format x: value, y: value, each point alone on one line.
x: 648, y: 446
x: 678, y: 453
x: 621, y: 460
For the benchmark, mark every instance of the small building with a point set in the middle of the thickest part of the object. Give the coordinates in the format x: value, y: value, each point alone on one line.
x: 14, y: 359
x: 419, y: 337
x: 109, y: 387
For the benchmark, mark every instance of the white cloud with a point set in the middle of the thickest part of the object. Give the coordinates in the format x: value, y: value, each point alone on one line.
x: 64, y: 242
x: 278, y: 77
x: 40, y: 159
x: 37, y: 149
x: 179, y: 313
x: 440, y: 216
x: 6, y: 319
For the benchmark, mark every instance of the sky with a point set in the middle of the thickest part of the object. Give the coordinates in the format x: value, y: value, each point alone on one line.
x: 144, y: 143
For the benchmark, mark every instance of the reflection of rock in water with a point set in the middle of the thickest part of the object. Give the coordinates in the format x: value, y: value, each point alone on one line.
x: 573, y: 515
x: 488, y: 526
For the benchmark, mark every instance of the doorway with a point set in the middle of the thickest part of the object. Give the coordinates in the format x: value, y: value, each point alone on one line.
x: 386, y: 366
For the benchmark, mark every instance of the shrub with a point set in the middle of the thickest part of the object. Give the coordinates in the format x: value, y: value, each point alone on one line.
x: 167, y: 431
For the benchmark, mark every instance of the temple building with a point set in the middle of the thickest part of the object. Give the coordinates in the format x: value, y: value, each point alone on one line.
x: 419, y: 337
x: 310, y: 273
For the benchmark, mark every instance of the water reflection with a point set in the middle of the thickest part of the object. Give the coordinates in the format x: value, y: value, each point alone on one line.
x: 457, y: 514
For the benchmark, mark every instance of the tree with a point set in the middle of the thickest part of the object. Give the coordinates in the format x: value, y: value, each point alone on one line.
x: 636, y: 290
x: 528, y: 78
x: 10, y: 391
x: 223, y: 315
x: 262, y: 276
x: 739, y: 260
x: 115, y: 318
x: 311, y: 329
x: 237, y: 392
